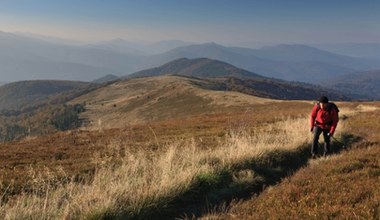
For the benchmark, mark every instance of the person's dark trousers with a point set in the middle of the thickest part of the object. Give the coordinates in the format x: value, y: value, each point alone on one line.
x: 314, y: 147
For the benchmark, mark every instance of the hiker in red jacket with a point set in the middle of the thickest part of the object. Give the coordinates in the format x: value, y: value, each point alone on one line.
x: 323, y: 119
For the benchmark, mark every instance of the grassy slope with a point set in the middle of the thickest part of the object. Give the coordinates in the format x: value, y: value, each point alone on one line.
x: 155, y: 99
x: 142, y: 100
x: 74, y: 155
x: 202, y: 140
x: 183, y: 171
x: 74, y: 150
x: 344, y: 186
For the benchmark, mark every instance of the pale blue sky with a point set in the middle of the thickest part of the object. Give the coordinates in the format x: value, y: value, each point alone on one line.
x: 221, y: 21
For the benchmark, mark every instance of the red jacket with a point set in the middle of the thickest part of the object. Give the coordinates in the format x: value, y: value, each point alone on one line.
x: 324, y: 118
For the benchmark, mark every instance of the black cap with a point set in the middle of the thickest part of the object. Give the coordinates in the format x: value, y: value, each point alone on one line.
x: 323, y: 99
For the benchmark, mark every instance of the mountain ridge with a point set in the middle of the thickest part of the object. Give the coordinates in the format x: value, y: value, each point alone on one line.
x: 24, y: 58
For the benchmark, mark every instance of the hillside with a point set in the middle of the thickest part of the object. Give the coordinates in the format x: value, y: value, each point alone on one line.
x: 158, y: 98
x: 17, y: 94
x: 186, y: 164
x: 342, y: 186
x: 363, y: 85
x: 105, y: 79
x: 276, y: 89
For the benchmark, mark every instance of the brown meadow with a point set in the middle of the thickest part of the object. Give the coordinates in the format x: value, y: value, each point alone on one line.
x: 140, y: 169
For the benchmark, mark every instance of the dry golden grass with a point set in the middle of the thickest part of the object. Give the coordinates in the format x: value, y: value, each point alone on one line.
x: 128, y: 179
x: 73, y: 150
x: 140, y: 167
x: 344, y: 186
x: 340, y: 187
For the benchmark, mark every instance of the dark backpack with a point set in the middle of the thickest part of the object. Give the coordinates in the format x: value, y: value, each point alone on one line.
x: 329, y: 107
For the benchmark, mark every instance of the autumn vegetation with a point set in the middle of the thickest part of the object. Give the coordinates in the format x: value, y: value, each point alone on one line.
x: 341, y: 186
x: 196, y: 165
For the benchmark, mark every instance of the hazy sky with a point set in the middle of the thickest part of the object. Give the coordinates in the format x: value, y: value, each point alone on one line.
x: 221, y: 21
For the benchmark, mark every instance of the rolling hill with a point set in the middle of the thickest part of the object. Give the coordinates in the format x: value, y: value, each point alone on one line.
x: 141, y: 100
x: 201, y: 67
x: 164, y: 97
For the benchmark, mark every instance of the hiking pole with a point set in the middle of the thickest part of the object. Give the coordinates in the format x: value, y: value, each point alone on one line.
x: 343, y: 145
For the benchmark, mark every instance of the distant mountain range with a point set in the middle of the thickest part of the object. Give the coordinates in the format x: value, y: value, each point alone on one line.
x: 142, y: 49
x: 30, y: 58
x: 23, y: 58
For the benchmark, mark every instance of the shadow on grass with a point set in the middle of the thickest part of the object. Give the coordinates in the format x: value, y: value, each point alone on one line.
x: 344, y: 142
x: 337, y: 145
x: 211, y: 190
